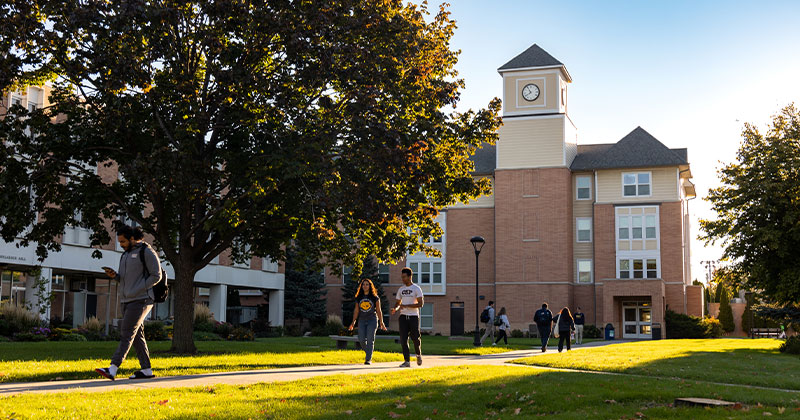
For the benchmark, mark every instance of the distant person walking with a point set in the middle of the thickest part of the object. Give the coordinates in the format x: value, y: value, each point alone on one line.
x: 409, y: 301
x: 580, y: 320
x: 136, y: 281
x: 503, y: 327
x: 544, y: 321
x: 369, y: 316
x: 487, y: 317
x: 565, y: 325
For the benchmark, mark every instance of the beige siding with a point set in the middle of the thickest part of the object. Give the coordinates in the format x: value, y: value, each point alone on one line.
x: 530, y: 143
x: 664, y: 186
x: 482, y: 201
x: 570, y: 141
x: 549, y: 85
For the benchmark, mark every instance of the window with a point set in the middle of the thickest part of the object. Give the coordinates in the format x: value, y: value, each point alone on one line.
x: 429, y: 275
x: 584, y: 187
x: 584, y: 229
x: 636, y: 184
x: 268, y: 265
x: 584, y: 271
x: 426, y: 316
x: 641, y: 268
x: 347, y: 274
x: 650, y: 227
x: 77, y: 235
x: 58, y: 282
x: 637, y: 223
x: 246, y: 263
x: 383, y: 272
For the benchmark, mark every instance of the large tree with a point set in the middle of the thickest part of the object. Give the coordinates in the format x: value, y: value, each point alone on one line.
x: 237, y: 125
x: 305, y: 291
x: 758, y: 209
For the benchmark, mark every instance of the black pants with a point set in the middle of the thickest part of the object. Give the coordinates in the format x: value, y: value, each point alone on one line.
x: 562, y: 337
x: 409, y: 326
x: 502, y: 334
x: 544, y: 334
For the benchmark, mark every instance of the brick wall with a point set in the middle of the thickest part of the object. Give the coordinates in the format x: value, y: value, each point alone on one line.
x: 605, y: 249
x: 671, y: 231
x: 694, y: 300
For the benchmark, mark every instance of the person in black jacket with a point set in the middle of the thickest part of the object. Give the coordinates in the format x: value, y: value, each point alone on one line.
x: 544, y: 320
x: 565, y: 325
x: 580, y: 320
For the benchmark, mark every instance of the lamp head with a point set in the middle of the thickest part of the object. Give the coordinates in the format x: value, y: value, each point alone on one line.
x: 477, y: 243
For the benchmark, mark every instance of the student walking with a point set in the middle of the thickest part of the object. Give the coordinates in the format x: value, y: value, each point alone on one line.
x: 580, y: 320
x: 504, y: 326
x: 136, y: 281
x: 544, y: 321
x: 487, y: 317
x: 409, y: 300
x: 369, y: 316
x: 565, y: 325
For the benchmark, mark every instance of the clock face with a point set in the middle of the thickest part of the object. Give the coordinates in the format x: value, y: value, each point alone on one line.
x: 530, y: 92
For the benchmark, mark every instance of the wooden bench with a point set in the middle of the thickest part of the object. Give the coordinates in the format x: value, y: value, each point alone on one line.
x: 765, y: 332
x: 342, y: 340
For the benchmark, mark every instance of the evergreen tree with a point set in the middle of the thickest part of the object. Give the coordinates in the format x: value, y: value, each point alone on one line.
x: 369, y: 271
x: 304, y: 296
x: 717, y: 293
x: 706, y: 299
x: 725, y: 312
x: 747, y: 315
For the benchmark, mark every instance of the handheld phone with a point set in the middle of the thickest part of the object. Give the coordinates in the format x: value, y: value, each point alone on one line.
x: 107, y: 268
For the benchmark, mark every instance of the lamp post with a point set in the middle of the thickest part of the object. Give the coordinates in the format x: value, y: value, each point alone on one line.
x: 477, y: 245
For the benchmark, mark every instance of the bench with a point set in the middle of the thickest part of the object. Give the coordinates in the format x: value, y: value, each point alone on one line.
x: 342, y: 340
x: 765, y: 332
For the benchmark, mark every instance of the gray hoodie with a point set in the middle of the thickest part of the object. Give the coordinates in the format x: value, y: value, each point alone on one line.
x: 131, y: 275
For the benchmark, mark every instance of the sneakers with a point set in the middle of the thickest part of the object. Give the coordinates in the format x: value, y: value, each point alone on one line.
x: 494, y: 344
x: 104, y: 372
x: 368, y: 362
x: 406, y: 364
x: 419, y: 360
x: 142, y: 374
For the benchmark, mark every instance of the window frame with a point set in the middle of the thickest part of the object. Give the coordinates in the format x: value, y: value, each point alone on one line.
x: 578, y: 187
x: 578, y: 271
x: 427, y: 287
x: 631, y: 261
x: 578, y: 230
x: 637, y: 184
x: 423, y: 316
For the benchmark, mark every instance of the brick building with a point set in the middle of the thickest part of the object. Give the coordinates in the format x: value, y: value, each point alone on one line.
x: 82, y: 289
x: 601, y: 226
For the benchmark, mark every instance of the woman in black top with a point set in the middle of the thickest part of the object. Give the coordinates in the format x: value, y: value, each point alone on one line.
x: 565, y: 326
x: 369, y: 316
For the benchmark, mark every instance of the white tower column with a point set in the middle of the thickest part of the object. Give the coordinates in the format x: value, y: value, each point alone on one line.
x: 218, y: 301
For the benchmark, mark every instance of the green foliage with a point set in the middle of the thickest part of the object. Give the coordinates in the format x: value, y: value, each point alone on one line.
x: 791, y: 345
x: 706, y: 300
x: 369, y: 271
x: 242, y: 334
x: 304, y: 289
x: 713, y: 327
x: 249, y: 129
x: 591, y: 331
x: 29, y: 336
x: 155, y: 331
x: 776, y: 314
x: 16, y: 319
x: 223, y: 329
x: 73, y: 337
x: 725, y: 311
x: 684, y: 326
x: 757, y: 212
x: 333, y: 326
x: 517, y: 334
x: 205, y: 336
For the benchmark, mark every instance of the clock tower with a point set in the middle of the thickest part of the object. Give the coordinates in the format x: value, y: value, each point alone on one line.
x: 533, y: 190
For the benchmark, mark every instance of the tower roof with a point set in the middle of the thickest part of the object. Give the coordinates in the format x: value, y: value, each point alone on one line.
x: 533, y: 57
x: 636, y: 150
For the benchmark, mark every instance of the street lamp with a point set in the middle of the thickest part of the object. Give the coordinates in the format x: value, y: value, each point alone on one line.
x: 477, y: 245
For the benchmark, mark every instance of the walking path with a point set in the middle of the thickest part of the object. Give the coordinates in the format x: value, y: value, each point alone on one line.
x: 270, y: 375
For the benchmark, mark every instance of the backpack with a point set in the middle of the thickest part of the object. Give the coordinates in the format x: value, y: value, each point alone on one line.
x: 161, y: 288
x: 498, y: 321
x: 543, y: 317
x: 485, y: 316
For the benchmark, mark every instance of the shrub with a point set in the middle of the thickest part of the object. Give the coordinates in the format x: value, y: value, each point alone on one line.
x: 29, y: 336
x: 683, y: 326
x: 791, y: 345
x: 333, y: 326
x: 388, y: 332
x: 114, y: 334
x: 202, y: 313
x: 713, y: 327
x: 93, y: 325
x: 17, y: 319
x: 242, y: 334
x: 93, y: 335
x: 222, y: 329
x: 205, y: 336
x: 4, y: 339
x: 155, y: 331
x: 517, y: 334
x: 591, y: 331
x: 57, y: 334
x: 72, y: 337
x: 293, y: 331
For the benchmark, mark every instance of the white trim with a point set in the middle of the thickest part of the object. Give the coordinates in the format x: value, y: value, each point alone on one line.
x: 636, y: 174
x: 577, y: 177
x: 591, y: 229
x: 542, y: 92
x: 526, y: 115
x: 431, y: 316
x: 578, y: 272
x: 678, y: 176
x: 469, y: 284
x: 538, y: 69
x: 532, y: 282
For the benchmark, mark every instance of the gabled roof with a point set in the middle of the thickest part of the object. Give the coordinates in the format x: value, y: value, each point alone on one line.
x: 485, y: 160
x: 638, y: 149
x: 534, y: 56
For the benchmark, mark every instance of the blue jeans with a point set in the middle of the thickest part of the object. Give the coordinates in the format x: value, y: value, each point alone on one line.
x: 366, y: 335
x: 544, y: 334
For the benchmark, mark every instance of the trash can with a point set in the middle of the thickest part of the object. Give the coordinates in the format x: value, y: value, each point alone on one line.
x: 609, y: 331
x: 656, y: 329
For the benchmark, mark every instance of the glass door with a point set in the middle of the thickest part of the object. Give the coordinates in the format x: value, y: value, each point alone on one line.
x: 636, y: 320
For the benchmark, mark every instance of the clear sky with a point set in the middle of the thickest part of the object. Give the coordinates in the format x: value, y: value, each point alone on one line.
x: 691, y: 73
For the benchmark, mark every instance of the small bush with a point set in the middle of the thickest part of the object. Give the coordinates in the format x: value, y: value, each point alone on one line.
x: 57, y: 334
x: 93, y: 335
x: 202, y: 313
x: 205, y: 336
x: 713, y: 327
x: 29, y: 336
x: 517, y: 334
x: 333, y: 326
x: 4, y: 339
x: 683, y: 326
x: 114, y: 334
x: 93, y: 325
x: 223, y: 329
x: 242, y: 334
x: 791, y: 345
x: 72, y: 337
x: 387, y: 332
x: 591, y: 331
x: 293, y: 331
x: 17, y: 319
x: 155, y: 331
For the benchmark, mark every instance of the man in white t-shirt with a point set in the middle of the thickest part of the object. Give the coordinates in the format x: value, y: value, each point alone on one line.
x: 409, y: 301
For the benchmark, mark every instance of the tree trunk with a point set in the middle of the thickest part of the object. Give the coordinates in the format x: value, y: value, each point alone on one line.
x: 182, y: 333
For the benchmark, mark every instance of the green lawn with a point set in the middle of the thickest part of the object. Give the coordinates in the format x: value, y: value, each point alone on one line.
x: 463, y: 392
x: 21, y: 362
x: 740, y: 361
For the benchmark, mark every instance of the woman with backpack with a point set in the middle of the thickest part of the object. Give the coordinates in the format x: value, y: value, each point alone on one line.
x: 502, y: 323
x: 565, y: 324
x: 369, y: 316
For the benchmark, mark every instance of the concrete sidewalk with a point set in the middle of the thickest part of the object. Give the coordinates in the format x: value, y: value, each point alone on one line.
x: 270, y: 375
